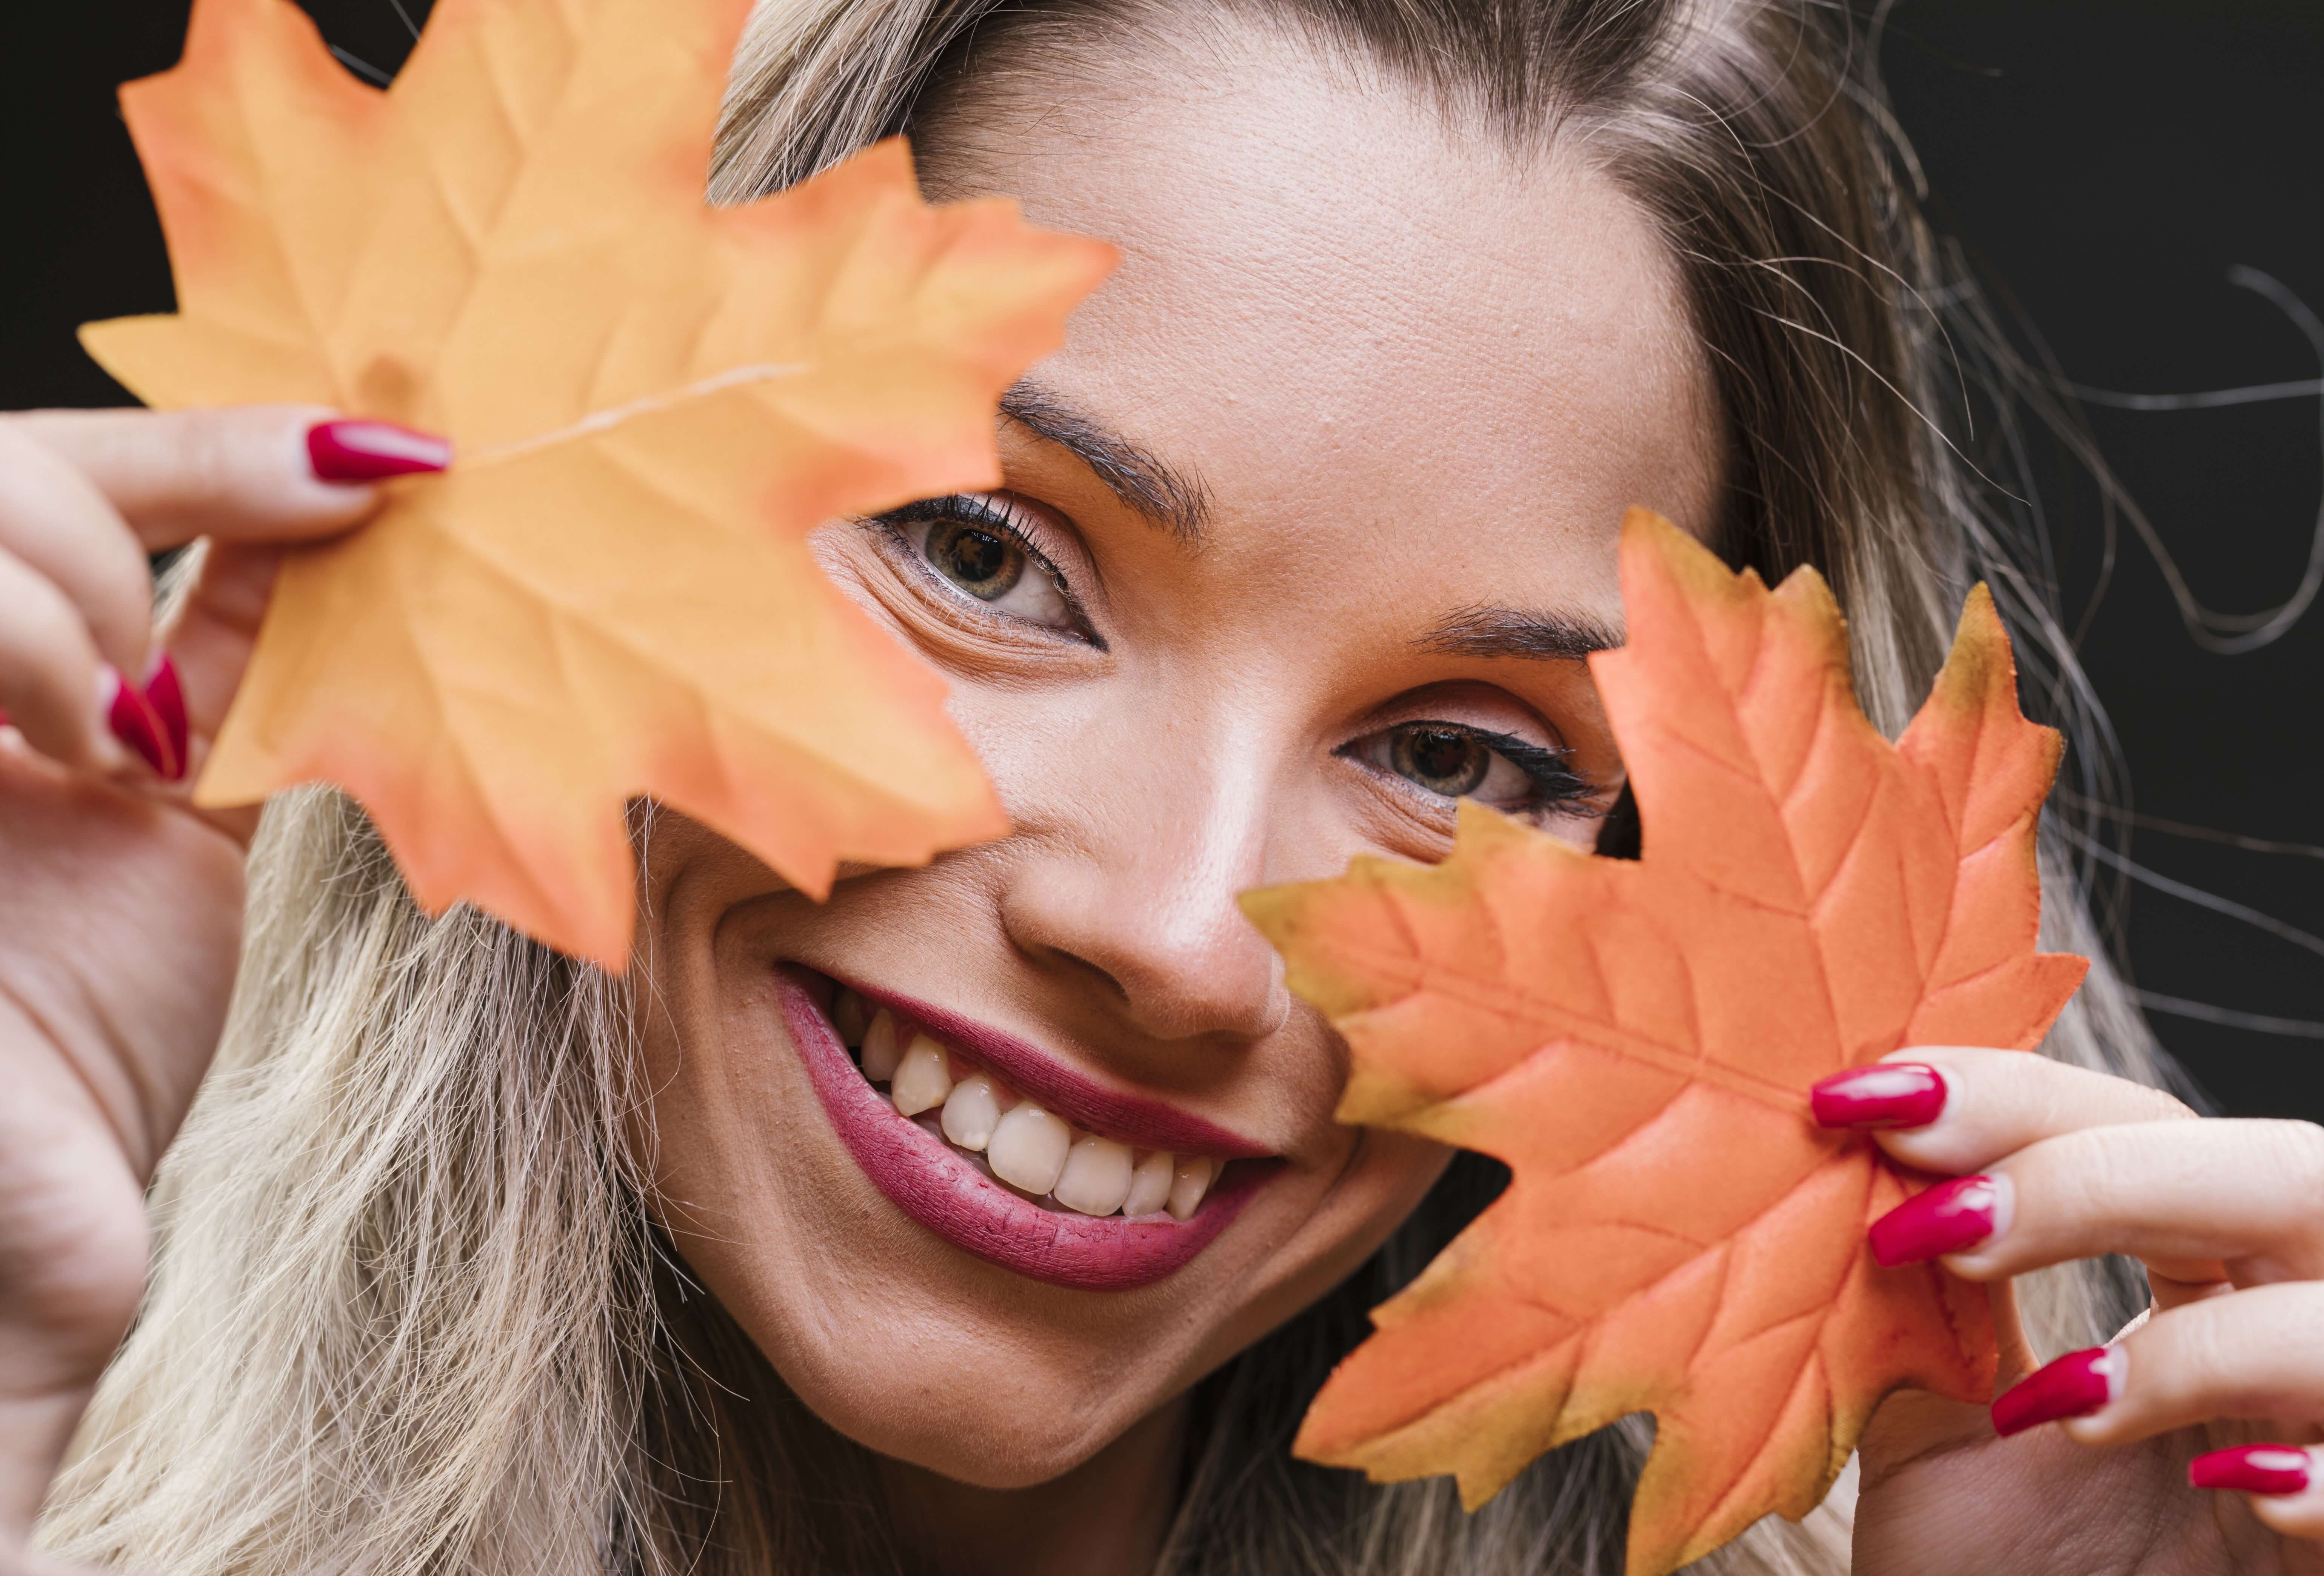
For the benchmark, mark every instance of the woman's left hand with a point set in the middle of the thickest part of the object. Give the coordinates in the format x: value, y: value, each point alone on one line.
x: 2222, y: 1379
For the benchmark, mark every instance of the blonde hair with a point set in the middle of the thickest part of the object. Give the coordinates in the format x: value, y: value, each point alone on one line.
x: 408, y: 1311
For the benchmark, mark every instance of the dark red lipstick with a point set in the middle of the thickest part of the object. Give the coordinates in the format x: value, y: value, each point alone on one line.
x: 1134, y: 1119
x: 944, y: 1192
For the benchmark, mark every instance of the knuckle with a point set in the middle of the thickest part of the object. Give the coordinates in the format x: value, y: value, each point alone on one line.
x: 207, y: 459
x: 2296, y: 1152
x: 28, y: 474
x: 2243, y: 1353
x: 2153, y: 1104
x: 61, y: 530
x: 107, y: 576
x: 2092, y: 1166
x: 2284, y: 1318
x: 42, y: 640
x: 2195, y: 1356
x: 18, y: 445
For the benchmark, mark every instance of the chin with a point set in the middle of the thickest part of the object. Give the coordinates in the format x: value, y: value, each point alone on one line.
x: 965, y: 1251
x: 968, y: 1255
x: 990, y: 1417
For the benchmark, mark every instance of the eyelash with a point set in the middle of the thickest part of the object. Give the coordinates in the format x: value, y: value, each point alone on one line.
x: 968, y: 509
x: 1559, y: 787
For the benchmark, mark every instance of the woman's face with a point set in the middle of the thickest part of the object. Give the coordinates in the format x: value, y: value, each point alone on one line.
x: 1303, y: 534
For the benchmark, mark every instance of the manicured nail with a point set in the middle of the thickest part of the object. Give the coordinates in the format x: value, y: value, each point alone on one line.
x: 2251, y: 1469
x: 1948, y: 1217
x: 130, y: 715
x: 166, y: 696
x: 2075, y: 1386
x: 350, y: 451
x: 1887, y: 1094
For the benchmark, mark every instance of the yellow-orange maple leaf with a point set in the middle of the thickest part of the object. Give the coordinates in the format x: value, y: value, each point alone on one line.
x: 654, y: 401
x: 1636, y: 1041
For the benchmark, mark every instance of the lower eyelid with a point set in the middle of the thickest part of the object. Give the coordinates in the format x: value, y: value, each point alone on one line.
x: 896, y: 536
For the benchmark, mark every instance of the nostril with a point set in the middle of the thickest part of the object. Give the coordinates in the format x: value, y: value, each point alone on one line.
x: 1198, y: 994
x: 1178, y: 962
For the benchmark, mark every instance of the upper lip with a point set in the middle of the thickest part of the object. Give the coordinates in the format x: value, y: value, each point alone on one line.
x: 1137, y: 1120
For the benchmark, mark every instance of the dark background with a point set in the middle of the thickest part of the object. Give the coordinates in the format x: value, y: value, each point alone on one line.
x: 2104, y: 162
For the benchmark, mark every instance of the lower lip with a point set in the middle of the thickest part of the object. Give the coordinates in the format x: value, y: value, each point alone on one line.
x: 921, y: 1176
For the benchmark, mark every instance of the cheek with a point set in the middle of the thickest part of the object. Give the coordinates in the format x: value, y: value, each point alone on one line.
x: 727, y: 1121
x: 1392, y: 1172
x: 925, y: 1355
x: 894, y: 1339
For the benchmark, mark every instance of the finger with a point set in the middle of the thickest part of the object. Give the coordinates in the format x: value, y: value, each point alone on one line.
x: 54, y: 687
x: 2283, y: 1483
x: 1958, y: 1109
x: 216, y: 626
x: 2249, y: 1356
x: 57, y: 523
x: 258, y: 473
x: 2195, y: 1200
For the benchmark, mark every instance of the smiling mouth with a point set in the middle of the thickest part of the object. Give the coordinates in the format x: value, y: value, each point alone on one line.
x: 1008, y: 1153
x: 1017, y: 1142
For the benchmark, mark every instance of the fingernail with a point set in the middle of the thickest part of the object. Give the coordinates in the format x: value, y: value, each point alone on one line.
x: 1887, y: 1094
x: 2075, y: 1386
x: 1946, y: 1218
x: 351, y: 450
x: 2251, y: 1469
x: 166, y: 696
x: 130, y: 715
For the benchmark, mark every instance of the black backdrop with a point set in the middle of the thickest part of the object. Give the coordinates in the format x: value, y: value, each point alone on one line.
x: 2106, y: 162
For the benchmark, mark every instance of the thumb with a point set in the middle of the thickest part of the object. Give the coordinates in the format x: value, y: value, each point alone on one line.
x: 1913, y: 1424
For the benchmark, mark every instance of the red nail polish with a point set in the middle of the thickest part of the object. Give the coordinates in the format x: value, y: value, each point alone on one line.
x: 2251, y: 1469
x: 350, y: 451
x: 1887, y: 1094
x: 130, y: 717
x: 166, y: 696
x: 1948, y: 1217
x: 2075, y: 1386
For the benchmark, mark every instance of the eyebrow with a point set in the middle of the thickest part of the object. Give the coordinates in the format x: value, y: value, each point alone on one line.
x: 1484, y: 631
x: 1180, y: 504
x: 1168, y: 497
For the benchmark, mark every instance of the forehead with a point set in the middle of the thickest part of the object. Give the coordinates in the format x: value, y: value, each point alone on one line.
x: 1343, y: 309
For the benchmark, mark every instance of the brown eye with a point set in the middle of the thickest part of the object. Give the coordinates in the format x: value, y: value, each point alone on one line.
x: 985, y: 566
x: 1457, y: 760
x: 978, y: 552
x: 1443, y: 760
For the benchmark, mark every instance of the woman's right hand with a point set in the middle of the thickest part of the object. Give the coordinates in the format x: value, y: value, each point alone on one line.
x: 120, y: 903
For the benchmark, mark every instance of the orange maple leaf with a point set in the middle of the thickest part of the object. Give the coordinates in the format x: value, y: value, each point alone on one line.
x: 654, y: 401
x: 1636, y: 1040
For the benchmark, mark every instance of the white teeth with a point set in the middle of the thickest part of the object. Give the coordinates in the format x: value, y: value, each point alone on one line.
x: 1149, y: 1184
x: 1028, y: 1149
x: 921, y: 1081
x: 972, y: 1112
x: 1194, y: 1174
x: 1096, y: 1177
x: 880, y: 1053
x: 851, y: 1017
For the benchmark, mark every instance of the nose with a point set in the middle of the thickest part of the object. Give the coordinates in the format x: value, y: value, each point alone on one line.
x: 1135, y: 888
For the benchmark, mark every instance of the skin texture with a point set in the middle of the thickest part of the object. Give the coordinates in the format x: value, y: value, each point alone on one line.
x: 1411, y: 377
x: 1195, y: 756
